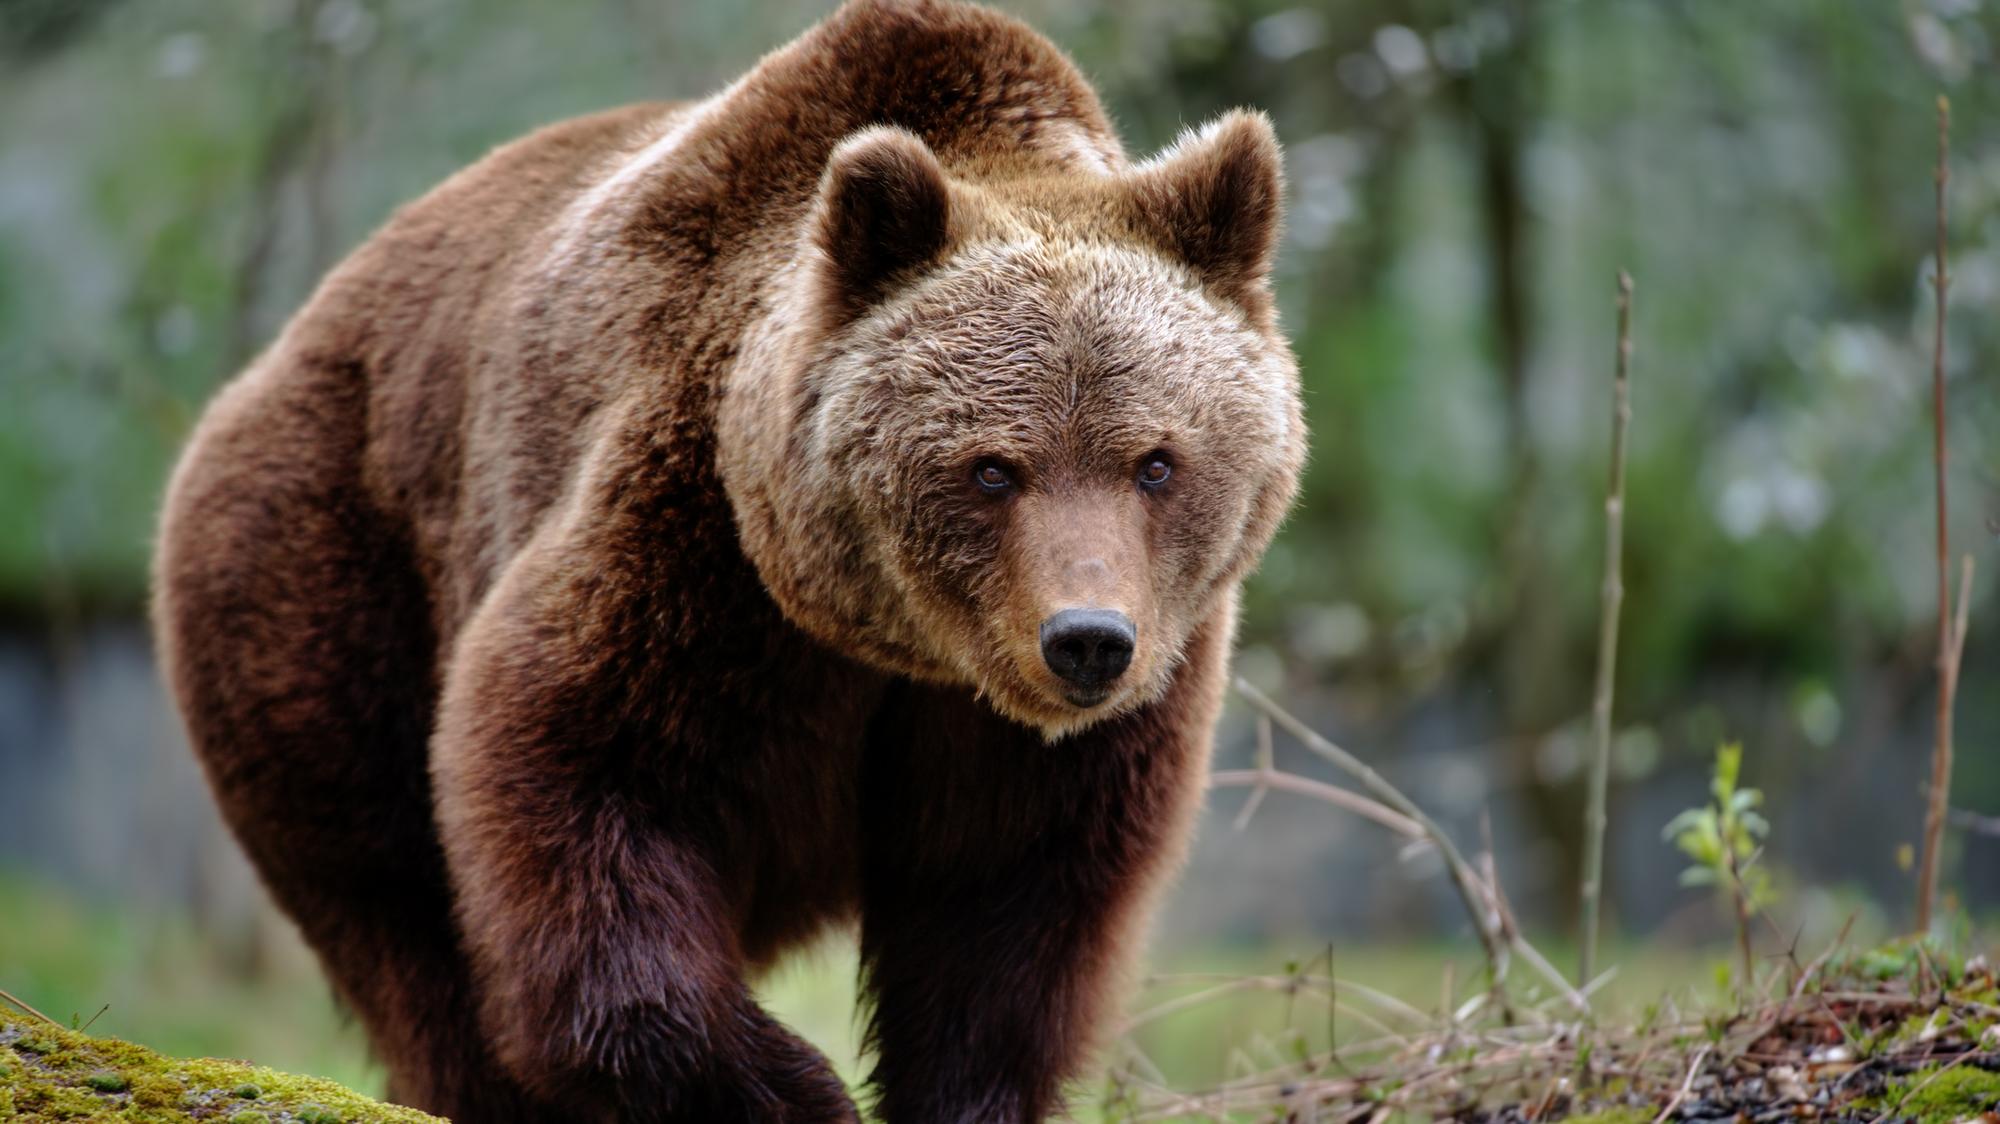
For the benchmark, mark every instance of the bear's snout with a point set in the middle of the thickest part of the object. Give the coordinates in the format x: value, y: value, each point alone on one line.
x: 1088, y: 649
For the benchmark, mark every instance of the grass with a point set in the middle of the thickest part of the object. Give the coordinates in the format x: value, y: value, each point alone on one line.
x: 1252, y: 1018
x: 1214, y: 1042
x: 168, y: 988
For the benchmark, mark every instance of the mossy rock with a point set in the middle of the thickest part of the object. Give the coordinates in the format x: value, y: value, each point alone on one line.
x: 48, y: 1073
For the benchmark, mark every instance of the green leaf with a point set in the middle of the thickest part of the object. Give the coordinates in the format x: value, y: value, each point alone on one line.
x: 1684, y: 822
x: 1728, y: 766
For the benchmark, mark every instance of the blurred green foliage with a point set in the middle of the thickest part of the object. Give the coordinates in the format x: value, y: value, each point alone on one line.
x: 1466, y: 177
x: 154, y: 978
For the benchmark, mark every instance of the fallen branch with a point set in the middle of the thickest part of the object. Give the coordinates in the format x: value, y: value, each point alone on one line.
x: 1921, y: 1086
x: 1687, y: 1084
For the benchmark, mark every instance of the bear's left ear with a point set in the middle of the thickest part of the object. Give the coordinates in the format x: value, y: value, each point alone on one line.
x: 1214, y: 198
x: 884, y: 212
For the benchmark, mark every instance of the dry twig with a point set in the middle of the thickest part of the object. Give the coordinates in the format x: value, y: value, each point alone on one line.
x: 1266, y: 765
x: 1482, y: 902
x: 1469, y: 888
x: 9, y: 997
x: 1974, y: 822
x: 1921, y: 1086
x: 1694, y: 1067
x: 1261, y: 780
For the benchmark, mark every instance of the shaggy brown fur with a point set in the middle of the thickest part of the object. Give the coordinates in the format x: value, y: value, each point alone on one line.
x: 636, y: 557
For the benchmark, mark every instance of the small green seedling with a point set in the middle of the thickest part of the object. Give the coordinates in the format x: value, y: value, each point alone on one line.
x: 1724, y: 838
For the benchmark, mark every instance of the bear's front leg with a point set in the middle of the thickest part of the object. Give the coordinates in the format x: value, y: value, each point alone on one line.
x: 586, y: 826
x: 1007, y: 882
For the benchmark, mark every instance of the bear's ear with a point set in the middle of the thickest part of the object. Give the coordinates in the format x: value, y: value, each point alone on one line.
x: 884, y: 212
x: 1214, y: 198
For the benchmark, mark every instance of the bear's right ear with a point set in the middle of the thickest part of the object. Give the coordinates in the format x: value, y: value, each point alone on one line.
x: 1214, y: 199
x: 884, y: 212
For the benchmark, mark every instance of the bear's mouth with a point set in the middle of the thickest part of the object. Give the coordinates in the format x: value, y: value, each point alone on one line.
x: 1087, y: 698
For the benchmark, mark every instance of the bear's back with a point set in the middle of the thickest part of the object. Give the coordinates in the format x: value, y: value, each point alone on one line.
x: 422, y: 312
x: 498, y: 316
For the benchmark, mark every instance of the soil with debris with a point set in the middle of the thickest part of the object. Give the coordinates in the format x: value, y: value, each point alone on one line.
x: 1906, y: 1032
x: 1892, y: 1037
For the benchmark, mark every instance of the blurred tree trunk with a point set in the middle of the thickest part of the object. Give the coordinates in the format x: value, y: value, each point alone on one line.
x: 1521, y: 646
x: 300, y: 75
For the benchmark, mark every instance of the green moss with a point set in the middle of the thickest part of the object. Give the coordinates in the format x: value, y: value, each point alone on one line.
x: 60, y: 1074
x: 61, y: 1103
x: 1936, y: 1095
x: 1620, y: 1114
x: 1987, y: 994
x: 157, y: 1090
x: 1906, y: 959
x: 1912, y: 1028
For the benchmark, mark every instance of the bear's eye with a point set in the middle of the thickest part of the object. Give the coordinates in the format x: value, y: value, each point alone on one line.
x: 1154, y: 471
x: 992, y: 476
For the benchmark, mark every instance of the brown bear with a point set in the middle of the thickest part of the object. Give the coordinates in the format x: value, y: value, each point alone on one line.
x: 695, y: 526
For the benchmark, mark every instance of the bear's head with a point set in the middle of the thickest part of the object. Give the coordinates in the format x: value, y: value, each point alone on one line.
x: 1020, y: 431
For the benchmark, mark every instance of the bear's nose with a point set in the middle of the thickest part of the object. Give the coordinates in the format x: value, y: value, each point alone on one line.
x: 1088, y: 647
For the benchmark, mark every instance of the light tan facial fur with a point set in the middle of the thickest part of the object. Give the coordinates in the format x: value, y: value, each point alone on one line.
x: 1069, y: 327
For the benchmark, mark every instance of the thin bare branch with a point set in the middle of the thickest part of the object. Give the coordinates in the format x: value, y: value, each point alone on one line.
x: 1947, y: 635
x: 1479, y: 899
x: 1259, y: 780
x: 1920, y: 1086
x: 1963, y: 620
x: 1467, y: 882
x: 1974, y: 822
x: 1613, y: 598
x: 1266, y: 763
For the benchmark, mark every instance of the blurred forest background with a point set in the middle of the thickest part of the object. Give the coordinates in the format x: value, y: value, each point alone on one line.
x: 1466, y: 178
